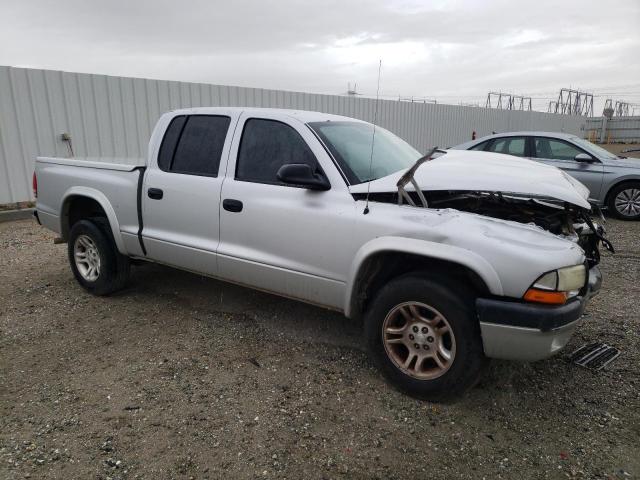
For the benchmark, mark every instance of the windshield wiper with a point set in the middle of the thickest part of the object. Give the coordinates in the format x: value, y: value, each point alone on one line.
x: 407, y: 177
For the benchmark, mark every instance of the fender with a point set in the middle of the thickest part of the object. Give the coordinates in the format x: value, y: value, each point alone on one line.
x: 99, y: 197
x: 426, y: 249
x: 632, y: 177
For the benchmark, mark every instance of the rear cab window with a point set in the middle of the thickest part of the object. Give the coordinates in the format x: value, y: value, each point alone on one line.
x: 193, y: 144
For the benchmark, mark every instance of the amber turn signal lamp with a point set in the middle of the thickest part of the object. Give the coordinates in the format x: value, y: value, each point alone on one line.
x: 545, y: 296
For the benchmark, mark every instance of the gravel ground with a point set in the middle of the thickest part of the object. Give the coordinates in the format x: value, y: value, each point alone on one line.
x: 182, y: 376
x: 618, y: 147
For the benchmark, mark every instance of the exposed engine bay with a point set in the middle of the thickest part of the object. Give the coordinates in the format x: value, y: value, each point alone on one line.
x: 560, y: 218
x: 558, y: 205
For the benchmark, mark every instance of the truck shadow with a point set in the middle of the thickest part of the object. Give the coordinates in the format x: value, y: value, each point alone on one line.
x: 294, y: 319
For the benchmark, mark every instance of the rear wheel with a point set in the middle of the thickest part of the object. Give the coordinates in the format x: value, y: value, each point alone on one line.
x: 94, y: 258
x: 624, y: 201
x: 424, y: 337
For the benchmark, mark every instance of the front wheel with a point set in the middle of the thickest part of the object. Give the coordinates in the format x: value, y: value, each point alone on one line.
x: 424, y: 337
x: 624, y: 201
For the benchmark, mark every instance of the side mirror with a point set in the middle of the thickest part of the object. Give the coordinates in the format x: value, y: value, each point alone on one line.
x: 300, y: 174
x: 584, y: 158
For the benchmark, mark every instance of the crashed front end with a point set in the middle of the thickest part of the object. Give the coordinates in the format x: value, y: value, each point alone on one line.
x: 540, y: 322
x: 563, y: 218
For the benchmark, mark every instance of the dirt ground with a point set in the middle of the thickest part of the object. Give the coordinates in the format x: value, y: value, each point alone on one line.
x: 182, y: 376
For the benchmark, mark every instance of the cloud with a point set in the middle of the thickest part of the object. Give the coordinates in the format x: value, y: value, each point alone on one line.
x: 450, y: 50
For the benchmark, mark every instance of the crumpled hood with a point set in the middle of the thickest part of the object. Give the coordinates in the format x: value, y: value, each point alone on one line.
x: 488, y: 172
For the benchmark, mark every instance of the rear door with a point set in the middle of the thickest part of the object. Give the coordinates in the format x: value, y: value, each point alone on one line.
x: 278, y: 237
x: 181, y: 192
x: 561, y: 154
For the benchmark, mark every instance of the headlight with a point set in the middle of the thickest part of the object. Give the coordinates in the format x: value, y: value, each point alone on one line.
x: 572, y: 278
x: 557, y: 286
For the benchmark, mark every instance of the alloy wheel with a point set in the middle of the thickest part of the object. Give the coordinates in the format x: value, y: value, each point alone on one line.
x: 87, y: 258
x: 627, y: 202
x: 419, y: 340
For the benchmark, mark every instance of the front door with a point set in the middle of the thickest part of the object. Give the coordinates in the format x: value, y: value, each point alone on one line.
x: 278, y: 237
x: 561, y: 154
x: 181, y: 192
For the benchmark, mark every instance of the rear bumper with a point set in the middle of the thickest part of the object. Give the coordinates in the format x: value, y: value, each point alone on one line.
x: 525, y: 331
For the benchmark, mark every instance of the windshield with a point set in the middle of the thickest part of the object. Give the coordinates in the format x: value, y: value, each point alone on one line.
x: 350, y: 144
x: 593, y: 148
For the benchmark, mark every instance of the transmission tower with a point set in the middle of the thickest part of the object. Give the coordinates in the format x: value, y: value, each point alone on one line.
x: 621, y: 109
x: 507, y: 101
x: 574, y: 102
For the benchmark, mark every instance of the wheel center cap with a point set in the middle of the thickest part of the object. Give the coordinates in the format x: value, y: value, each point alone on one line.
x: 420, y: 333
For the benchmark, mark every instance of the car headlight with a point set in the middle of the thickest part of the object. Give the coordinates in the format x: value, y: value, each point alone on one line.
x: 557, y: 286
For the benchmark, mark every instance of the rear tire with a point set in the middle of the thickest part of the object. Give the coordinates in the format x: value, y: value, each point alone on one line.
x: 422, y: 317
x: 95, y: 261
x: 624, y: 201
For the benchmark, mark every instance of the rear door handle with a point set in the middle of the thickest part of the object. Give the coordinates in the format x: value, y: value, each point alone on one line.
x: 232, y: 205
x: 155, y: 193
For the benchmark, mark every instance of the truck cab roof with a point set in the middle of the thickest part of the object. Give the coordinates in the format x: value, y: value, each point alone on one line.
x: 303, y: 116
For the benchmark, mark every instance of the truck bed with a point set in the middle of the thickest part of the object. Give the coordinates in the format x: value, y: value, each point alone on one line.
x: 113, y: 182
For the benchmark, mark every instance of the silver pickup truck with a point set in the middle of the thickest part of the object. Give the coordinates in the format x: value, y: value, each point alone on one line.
x: 448, y: 258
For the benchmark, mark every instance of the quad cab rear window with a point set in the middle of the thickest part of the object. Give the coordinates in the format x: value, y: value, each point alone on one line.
x: 193, y: 144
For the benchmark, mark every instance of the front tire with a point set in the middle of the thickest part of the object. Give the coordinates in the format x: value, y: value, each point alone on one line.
x: 424, y: 337
x: 624, y: 201
x: 95, y: 261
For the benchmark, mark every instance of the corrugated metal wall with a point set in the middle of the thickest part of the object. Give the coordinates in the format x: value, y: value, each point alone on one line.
x: 113, y: 117
x: 617, y: 129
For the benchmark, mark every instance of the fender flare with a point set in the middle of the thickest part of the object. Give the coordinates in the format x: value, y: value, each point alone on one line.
x: 103, y: 201
x: 426, y: 249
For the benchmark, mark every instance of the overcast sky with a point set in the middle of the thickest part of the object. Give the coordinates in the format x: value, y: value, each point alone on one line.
x: 452, y: 51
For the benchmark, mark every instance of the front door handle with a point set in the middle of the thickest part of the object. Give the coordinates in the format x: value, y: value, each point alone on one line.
x: 155, y: 193
x: 232, y: 205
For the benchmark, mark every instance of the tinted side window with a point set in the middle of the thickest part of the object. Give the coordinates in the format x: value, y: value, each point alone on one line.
x: 480, y: 146
x: 509, y: 145
x: 555, y: 149
x: 169, y: 142
x: 266, y: 145
x: 200, y: 146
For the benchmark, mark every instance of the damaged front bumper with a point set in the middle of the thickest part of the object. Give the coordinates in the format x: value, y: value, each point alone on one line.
x: 525, y: 331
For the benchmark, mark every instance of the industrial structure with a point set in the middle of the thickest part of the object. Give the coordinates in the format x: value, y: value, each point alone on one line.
x: 508, y: 101
x: 572, y: 102
x: 620, y: 108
